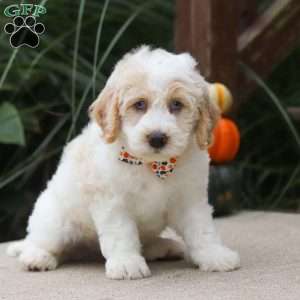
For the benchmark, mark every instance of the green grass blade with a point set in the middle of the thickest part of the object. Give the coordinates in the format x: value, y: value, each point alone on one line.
x: 23, y: 169
x: 275, y: 101
x: 289, y: 183
x: 35, y: 156
x: 76, y: 49
x: 97, y: 43
x: 8, y: 66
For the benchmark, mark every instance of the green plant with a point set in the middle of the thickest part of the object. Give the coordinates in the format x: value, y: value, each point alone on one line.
x: 270, y: 154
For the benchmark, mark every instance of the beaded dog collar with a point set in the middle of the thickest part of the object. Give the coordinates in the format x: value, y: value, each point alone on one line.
x: 161, y: 169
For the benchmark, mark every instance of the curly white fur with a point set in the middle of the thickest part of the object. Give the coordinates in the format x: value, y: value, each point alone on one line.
x: 95, y: 197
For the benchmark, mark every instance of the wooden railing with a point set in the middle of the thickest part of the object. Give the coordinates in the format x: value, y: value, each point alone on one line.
x: 220, y: 33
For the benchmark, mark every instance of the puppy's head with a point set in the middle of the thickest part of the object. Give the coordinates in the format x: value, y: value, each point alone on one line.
x: 155, y: 102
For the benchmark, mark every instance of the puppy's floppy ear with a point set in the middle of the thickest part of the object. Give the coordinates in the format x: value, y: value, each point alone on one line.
x: 209, y: 114
x: 105, y: 111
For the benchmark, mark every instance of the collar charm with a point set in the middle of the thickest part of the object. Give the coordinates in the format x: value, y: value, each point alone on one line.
x: 161, y: 169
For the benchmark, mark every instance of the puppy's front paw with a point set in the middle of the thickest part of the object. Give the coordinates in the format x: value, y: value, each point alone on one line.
x: 216, y: 258
x: 127, y: 267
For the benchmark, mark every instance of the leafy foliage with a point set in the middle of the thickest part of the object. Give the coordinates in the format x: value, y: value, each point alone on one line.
x: 11, y: 127
x: 270, y: 154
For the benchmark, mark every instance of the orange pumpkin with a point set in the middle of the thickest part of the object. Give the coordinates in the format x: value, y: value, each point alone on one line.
x: 226, y: 141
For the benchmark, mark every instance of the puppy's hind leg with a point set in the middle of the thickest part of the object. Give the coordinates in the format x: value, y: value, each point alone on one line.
x: 34, y: 258
x: 164, y: 248
x: 49, y: 233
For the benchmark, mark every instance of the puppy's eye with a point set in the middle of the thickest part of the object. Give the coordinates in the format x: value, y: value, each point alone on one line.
x: 140, y: 105
x: 175, y: 106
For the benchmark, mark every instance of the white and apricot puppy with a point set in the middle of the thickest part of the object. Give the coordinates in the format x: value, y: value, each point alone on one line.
x: 156, y: 106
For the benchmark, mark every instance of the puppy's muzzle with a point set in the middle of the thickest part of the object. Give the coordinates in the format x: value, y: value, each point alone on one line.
x: 157, y: 139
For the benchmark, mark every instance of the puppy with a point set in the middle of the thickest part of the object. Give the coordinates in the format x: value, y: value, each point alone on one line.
x: 139, y: 166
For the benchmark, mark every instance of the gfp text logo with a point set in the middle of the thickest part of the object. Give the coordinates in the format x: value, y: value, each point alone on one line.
x: 15, y: 10
x: 24, y: 30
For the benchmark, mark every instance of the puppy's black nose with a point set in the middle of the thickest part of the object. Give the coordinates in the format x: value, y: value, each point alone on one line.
x: 157, y: 139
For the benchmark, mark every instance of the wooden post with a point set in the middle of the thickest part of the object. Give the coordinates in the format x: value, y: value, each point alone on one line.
x: 271, y: 37
x: 182, y: 26
x: 247, y: 14
x: 208, y: 29
x: 218, y: 33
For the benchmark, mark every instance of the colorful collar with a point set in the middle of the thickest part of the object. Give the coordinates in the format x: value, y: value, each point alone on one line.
x: 162, y: 169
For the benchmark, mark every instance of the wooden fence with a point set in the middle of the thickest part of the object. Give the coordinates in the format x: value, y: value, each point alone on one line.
x: 220, y: 33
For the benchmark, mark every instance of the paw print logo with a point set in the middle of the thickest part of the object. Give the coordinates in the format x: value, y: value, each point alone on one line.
x: 24, y: 32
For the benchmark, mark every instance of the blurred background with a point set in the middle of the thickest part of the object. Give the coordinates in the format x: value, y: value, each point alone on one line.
x: 45, y: 92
